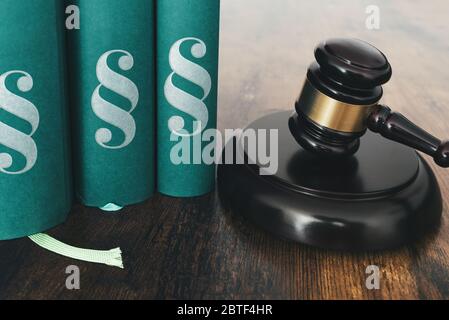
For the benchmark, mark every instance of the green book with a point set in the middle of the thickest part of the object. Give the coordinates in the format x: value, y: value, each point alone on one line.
x: 187, y: 72
x: 112, y: 89
x: 35, y: 178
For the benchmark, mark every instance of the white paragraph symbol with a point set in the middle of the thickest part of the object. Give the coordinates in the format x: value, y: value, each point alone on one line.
x: 181, y: 100
x: 108, y: 112
x: 10, y: 137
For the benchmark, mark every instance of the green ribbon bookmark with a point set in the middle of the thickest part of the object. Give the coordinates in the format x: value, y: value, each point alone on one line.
x: 111, y: 207
x: 108, y: 257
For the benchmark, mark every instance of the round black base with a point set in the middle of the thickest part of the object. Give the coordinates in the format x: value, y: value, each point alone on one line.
x: 382, y: 197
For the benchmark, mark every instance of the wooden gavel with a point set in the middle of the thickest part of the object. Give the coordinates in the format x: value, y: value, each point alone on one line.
x: 340, y: 101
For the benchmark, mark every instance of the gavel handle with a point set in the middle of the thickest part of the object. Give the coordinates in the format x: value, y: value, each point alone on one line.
x: 396, y: 127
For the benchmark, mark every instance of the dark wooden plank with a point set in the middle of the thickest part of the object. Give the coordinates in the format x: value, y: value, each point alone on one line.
x: 193, y: 248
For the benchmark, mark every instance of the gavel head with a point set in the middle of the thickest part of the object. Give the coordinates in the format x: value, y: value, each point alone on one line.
x: 342, y: 88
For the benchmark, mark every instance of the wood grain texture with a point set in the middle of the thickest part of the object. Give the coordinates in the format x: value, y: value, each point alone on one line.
x: 193, y: 248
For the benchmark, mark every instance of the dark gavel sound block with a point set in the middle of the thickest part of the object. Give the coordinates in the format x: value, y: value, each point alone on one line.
x: 340, y: 185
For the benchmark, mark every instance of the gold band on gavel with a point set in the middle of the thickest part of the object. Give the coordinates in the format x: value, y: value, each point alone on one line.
x: 331, y: 113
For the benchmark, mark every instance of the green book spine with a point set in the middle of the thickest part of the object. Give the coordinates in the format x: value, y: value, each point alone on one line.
x: 187, y: 55
x: 35, y: 181
x: 113, y: 95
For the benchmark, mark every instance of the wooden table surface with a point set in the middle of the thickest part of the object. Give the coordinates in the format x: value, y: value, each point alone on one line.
x: 193, y: 248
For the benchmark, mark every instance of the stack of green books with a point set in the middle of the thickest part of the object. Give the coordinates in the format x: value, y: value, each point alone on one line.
x: 142, y: 80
